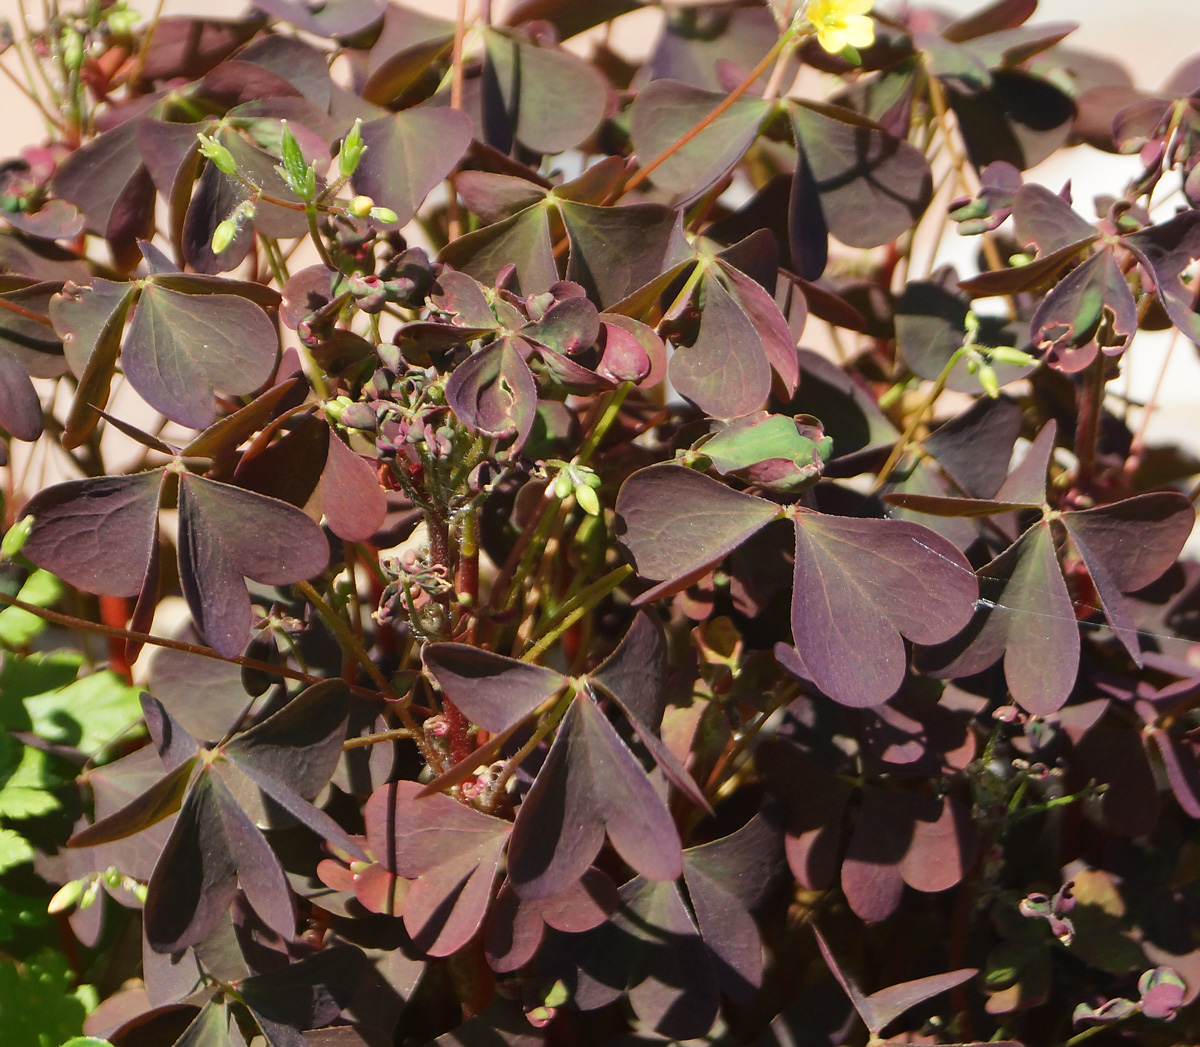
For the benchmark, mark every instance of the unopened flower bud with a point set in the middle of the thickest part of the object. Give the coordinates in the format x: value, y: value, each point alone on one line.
x: 16, y: 537
x: 360, y: 206
x: 223, y: 235
x: 221, y: 157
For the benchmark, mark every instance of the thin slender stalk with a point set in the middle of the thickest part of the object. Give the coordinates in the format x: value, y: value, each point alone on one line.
x: 576, y: 608
x: 1087, y: 431
x: 918, y: 417
x: 346, y: 637
x: 378, y: 738
x: 83, y: 625
x: 726, y: 104
x: 453, y: 216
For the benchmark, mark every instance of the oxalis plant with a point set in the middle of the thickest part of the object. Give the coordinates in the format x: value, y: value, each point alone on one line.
x: 510, y: 542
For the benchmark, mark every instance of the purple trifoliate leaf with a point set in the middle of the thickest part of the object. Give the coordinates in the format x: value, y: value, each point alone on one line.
x: 664, y: 110
x: 227, y: 533
x: 516, y: 926
x: 180, y: 346
x: 1090, y: 309
x: 725, y: 371
x: 871, y: 185
x: 1167, y: 250
x: 1126, y: 546
x: 353, y: 502
x: 260, y: 872
x: 492, y: 690
x: 195, y: 880
x: 493, y: 392
x: 862, y: 584
x: 451, y: 851
x: 98, y: 533
x: 1027, y: 616
x: 1045, y: 220
x: 408, y: 153
x: 679, y: 523
x: 590, y: 784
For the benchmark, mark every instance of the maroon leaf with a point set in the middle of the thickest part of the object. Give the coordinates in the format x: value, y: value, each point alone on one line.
x: 408, y: 153
x: 1092, y: 307
x: 725, y: 371
x: 860, y: 585
x: 353, y: 502
x: 882, y: 1007
x: 725, y: 879
x: 872, y: 186
x: 664, y: 110
x: 660, y: 502
x: 1128, y: 545
x: 451, y: 851
x: 159, y: 801
x: 494, y: 393
x: 226, y: 533
x: 590, y: 785
x: 1026, y: 616
x: 493, y: 691
x: 516, y: 926
x: 98, y: 533
x: 180, y: 346
x: 1167, y: 250
x: 195, y: 880
x: 549, y: 100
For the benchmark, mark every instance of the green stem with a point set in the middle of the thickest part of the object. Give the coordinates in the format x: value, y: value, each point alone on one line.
x: 918, y: 417
x: 576, y: 608
x: 345, y: 635
x: 351, y: 644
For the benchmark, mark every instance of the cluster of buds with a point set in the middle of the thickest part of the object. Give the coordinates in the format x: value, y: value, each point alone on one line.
x: 414, y: 593
x: 84, y: 891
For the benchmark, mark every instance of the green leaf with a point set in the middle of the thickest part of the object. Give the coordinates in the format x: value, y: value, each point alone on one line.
x: 38, y: 1007
x: 18, y: 627
x: 25, y: 779
x: 14, y: 849
x: 86, y: 713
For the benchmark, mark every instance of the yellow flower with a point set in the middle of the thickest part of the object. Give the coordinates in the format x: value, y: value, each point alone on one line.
x: 841, y: 23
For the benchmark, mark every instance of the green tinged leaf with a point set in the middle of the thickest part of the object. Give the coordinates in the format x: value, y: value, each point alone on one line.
x: 38, y: 1007
x: 17, y: 626
x: 25, y: 781
x: 14, y: 849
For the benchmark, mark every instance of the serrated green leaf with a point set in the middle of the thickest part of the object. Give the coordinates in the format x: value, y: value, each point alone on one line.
x: 38, y: 1007
x: 18, y: 627
x: 86, y: 713
x: 14, y: 849
x: 25, y: 780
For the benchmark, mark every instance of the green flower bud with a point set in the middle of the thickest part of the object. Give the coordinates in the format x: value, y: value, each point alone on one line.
x: 385, y: 215
x: 360, y: 206
x: 221, y: 157
x: 1006, y: 354
x: 72, y: 48
x: 588, y: 502
x: 112, y: 877
x: 16, y: 537
x: 987, y: 378
x: 562, y: 485
x: 66, y: 896
x: 351, y: 152
x: 223, y: 235
x: 90, y: 895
